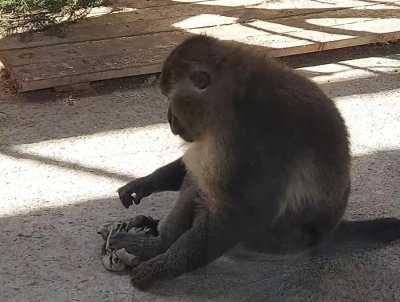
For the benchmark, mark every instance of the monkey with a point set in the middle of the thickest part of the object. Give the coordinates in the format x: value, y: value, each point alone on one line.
x: 267, y: 164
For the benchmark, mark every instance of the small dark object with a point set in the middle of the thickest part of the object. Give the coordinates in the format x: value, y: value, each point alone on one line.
x: 119, y: 260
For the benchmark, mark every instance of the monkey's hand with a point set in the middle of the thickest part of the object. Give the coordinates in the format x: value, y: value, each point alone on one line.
x: 118, y: 259
x: 134, y: 191
x: 140, y: 223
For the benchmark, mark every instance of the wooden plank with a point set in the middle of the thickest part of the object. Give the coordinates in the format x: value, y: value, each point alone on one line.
x: 44, y: 67
x: 53, y: 75
x: 151, y: 3
x: 158, y: 3
x: 163, y: 19
x: 88, y: 77
x: 68, y: 70
x: 316, y: 32
x: 110, y: 33
x: 281, y: 33
x: 141, y: 21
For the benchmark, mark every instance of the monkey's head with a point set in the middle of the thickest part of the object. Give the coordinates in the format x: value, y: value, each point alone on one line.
x: 191, y: 79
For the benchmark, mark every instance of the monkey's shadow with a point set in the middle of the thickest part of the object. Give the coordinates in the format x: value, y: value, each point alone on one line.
x: 243, y: 275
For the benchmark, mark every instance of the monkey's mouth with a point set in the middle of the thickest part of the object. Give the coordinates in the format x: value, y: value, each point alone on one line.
x: 177, y: 128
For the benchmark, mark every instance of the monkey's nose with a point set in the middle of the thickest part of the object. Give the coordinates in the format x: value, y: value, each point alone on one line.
x: 173, y: 123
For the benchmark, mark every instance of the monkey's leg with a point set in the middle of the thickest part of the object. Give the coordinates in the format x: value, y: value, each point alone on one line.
x: 175, y: 224
x: 209, y: 238
x: 166, y: 178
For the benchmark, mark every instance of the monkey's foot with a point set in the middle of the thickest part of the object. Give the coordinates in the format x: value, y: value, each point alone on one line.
x: 144, y: 275
x: 118, y: 260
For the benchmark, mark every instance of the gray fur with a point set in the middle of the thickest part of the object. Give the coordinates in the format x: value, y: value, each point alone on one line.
x: 268, y: 163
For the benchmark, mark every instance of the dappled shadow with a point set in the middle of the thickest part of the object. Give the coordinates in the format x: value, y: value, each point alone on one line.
x: 52, y: 117
x: 338, y: 55
x: 71, y: 166
x: 125, y: 103
x: 138, y: 35
x: 55, y: 252
x: 362, y: 86
x: 147, y: 17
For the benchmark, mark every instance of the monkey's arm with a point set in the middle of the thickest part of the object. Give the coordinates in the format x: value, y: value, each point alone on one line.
x: 208, y: 239
x: 166, y: 178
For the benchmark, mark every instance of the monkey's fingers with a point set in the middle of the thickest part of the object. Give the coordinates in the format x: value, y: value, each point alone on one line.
x: 120, y: 240
x: 139, y: 221
x: 141, y: 277
x: 127, y: 258
x: 128, y: 197
x: 136, y: 198
x: 111, y: 262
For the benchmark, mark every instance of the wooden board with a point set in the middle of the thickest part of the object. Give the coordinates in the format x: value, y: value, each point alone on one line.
x: 161, y: 15
x: 141, y: 48
x: 147, y: 21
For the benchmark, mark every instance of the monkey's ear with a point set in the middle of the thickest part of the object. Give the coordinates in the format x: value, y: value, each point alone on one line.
x: 200, y: 79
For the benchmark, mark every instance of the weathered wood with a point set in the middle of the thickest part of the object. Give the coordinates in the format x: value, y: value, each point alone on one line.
x: 89, y: 77
x: 143, y: 54
x: 64, y: 64
x: 162, y: 18
x: 125, y: 24
x: 137, y: 48
x: 151, y: 3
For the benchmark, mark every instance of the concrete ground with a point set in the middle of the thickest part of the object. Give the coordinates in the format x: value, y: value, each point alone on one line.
x: 62, y: 157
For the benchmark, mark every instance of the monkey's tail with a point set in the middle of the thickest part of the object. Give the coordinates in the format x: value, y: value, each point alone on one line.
x: 376, y: 231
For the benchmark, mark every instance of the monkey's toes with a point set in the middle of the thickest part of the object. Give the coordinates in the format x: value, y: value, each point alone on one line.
x: 146, y: 223
x: 114, y: 227
x: 112, y: 262
x: 127, y: 258
x: 120, y: 240
x: 140, y: 279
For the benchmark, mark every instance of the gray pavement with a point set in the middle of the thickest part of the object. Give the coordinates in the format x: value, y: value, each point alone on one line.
x: 62, y: 158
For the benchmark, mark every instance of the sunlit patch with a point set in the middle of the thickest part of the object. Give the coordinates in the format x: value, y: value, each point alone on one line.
x: 367, y: 135
x: 371, y: 25
x: 100, y: 11
x: 332, y: 22
x: 297, y: 32
x: 311, y: 4
x: 352, y: 69
x: 268, y: 34
x: 382, y: 5
x: 230, y: 3
x: 204, y: 20
x: 96, y: 12
x: 66, y: 171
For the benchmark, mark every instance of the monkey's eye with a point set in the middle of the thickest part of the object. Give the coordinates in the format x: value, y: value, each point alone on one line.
x: 200, y: 79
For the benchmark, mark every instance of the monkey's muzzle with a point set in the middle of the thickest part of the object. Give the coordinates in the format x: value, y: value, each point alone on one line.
x: 173, y: 122
x: 178, y: 129
x: 176, y: 126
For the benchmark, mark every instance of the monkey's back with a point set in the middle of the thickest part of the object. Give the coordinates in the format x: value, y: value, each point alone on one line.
x: 275, y: 148
x: 290, y: 141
